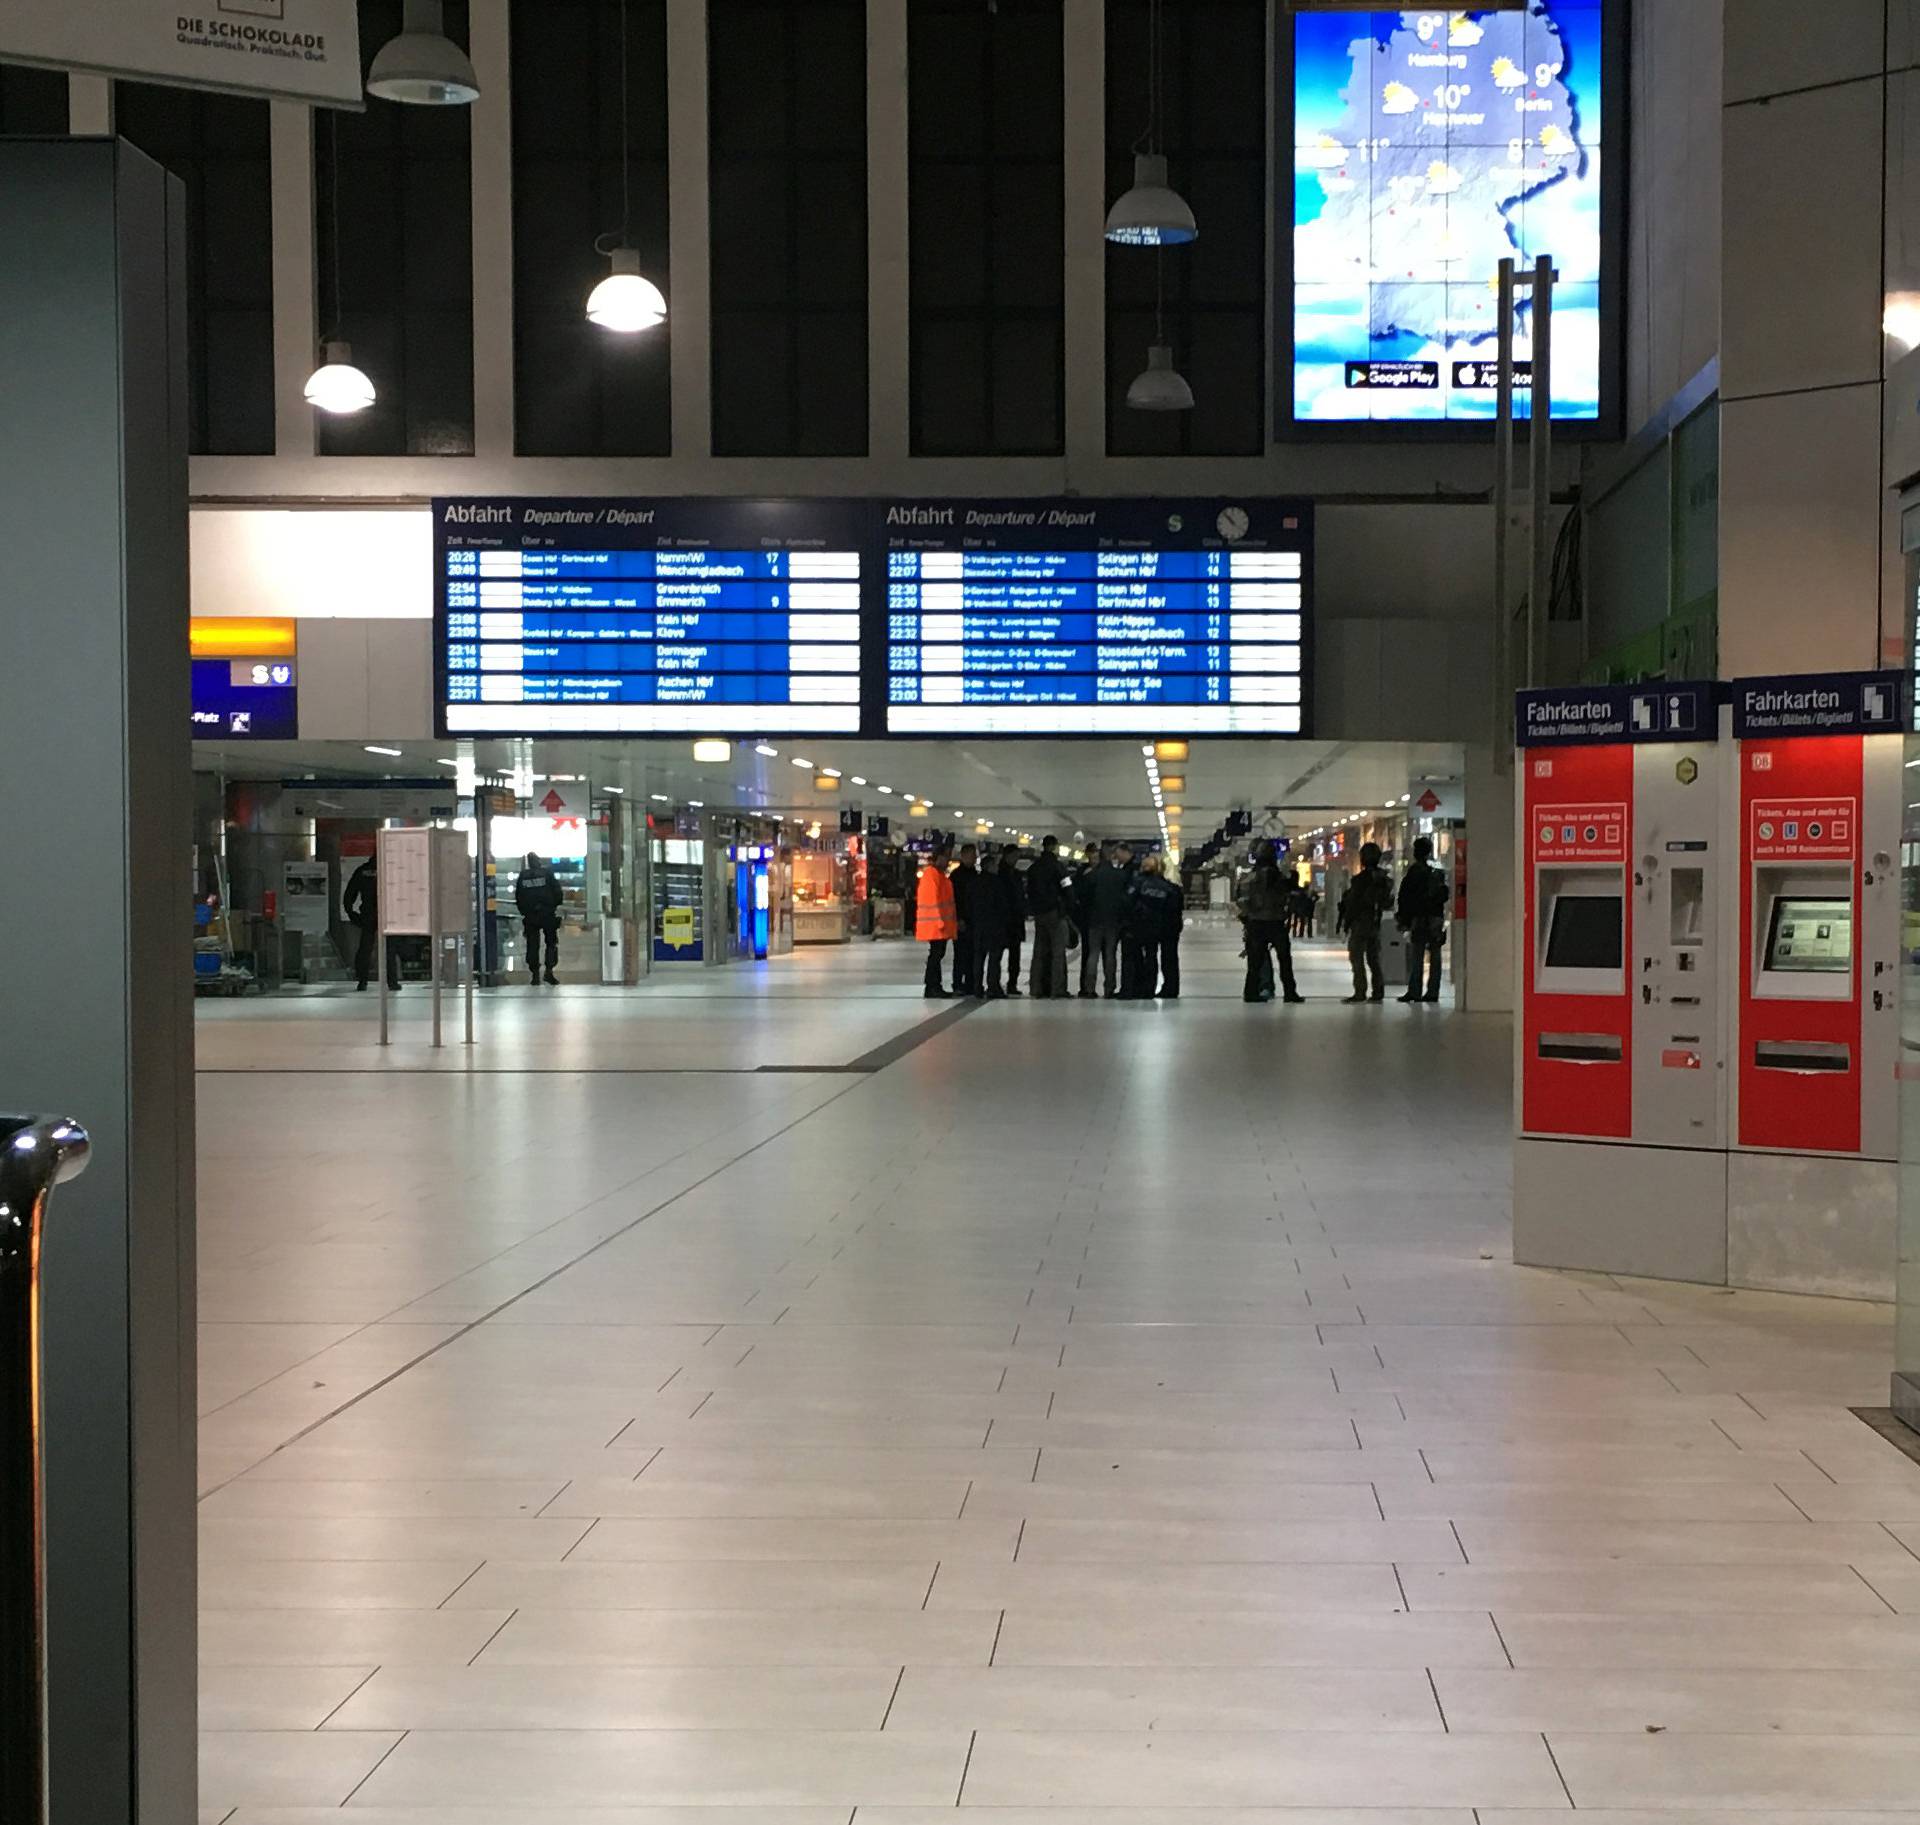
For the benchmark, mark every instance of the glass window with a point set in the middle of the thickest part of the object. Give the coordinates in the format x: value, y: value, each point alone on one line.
x: 580, y: 390
x: 1214, y: 131
x: 32, y: 101
x: 986, y: 226
x: 787, y: 125
x: 217, y: 146
x: 404, y: 212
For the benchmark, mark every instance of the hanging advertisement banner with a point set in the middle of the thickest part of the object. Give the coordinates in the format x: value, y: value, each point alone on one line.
x: 292, y: 50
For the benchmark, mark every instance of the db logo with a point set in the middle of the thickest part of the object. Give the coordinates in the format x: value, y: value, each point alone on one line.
x: 1543, y: 769
x: 1763, y: 763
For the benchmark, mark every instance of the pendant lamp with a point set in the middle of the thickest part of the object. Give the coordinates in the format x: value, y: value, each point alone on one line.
x: 625, y: 301
x: 1152, y: 213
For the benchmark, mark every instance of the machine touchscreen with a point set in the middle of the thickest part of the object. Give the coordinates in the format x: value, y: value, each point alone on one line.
x: 1808, y: 936
x: 1585, y: 933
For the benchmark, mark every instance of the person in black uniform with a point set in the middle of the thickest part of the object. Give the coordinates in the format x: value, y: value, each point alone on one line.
x: 537, y: 896
x: 361, y: 904
x: 966, y: 910
x: 1103, y: 893
x: 1159, y: 911
x: 1366, y: 903
x: 1047, y: 895
x: 1265, y: 902
x: 1421, y: 913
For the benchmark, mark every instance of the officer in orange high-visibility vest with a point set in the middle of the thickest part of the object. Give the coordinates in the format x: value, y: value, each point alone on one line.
x: 935, y: 923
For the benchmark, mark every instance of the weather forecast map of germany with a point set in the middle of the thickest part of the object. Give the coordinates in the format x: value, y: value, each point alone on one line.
x: 1428, y: 147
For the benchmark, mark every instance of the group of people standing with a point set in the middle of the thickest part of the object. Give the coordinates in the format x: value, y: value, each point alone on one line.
x: 1267, y: 904
x: 1123, y: 915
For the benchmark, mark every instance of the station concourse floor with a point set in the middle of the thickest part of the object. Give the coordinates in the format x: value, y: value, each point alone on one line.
x: 1095, y: 1414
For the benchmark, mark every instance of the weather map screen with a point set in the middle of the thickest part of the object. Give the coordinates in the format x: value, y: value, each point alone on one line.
x: 623, y: 617
x: 1085, y: 617
x: 1429, y: 146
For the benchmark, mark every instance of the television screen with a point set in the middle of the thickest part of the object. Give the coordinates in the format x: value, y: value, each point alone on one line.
x: 1810, y: 936
x: 1585, y: 933
x: 1429, y: 144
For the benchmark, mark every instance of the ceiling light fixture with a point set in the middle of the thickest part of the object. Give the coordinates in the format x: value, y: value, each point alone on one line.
x: 336, y: 385
x: 625, y: 301
x: 858, y: 781
x: 391, y: 753
x: 713, y: 751
x: 770, y: 753
x: 423, y: 65
x: 1152, y: 213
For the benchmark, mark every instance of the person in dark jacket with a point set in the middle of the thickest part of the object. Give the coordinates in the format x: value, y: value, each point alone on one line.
x: 1046, y: 898
x: 1421, y: 913
x: 1103, y: 893
x: 536, y: 896
x: 361, y: 904
x: 1002, y: 926
x: 966, y: 896
x: 1159, y: 911
x: 1265, y: 901
x: 1365, y: 905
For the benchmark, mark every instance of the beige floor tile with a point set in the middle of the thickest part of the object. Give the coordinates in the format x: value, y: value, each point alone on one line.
x: 920, y: 1542
x: 1573, y: 1543
x: 1550, y: 1504
x: 228, y: 1542
x: 1751, y: 1703
x: 672, y: 1767
x: 1223, y: 1768
x: 1822, y: 1590
x: 1078, y: 1699
x: 749, y: 1499
x: 1654, y: 1641
x: 1350, y: 1542
x: 332, y: 1638
x: 1216, y: 1502
x: 285, y: 1767
x: 1128, y: 1636
x: 800, y: 1637
x: 264, y: 1499
x: 501, y: 1697
x: 571, y: 1815
x: 347, y: 1584
x: 1058, y: 1587
x: 698, y: 1585
x: 275, y: 1698
x: 1798, y: 1773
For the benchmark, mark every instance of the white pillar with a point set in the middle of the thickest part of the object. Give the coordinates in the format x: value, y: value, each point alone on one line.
x: 689, y: 245
x: 490, y: 46
x: 1084, y: 101
x: 889, y: 364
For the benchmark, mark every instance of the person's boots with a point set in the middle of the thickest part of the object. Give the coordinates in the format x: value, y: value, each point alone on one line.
x: 551, y: 977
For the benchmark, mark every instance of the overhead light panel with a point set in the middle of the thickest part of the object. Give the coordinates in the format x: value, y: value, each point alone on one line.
x: 825, y: 782
x: 1171, y: 750
x: 715, y: 752
x: 391, y: 753
x: 770, y: 753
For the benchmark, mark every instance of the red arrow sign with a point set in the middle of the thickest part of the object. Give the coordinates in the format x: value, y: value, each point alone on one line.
x: 1428, y: 802
x: 553, y: 804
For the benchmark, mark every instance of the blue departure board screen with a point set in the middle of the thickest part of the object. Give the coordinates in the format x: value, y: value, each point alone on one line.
x: 1104, y: 617
x: 1429, y: 144
x: 642, y: 617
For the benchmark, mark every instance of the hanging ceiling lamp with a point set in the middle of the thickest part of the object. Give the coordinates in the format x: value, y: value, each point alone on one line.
x: 625, y: 301
x: 336, y: 385
x: 1152, y: 213
x: 1161, y: 387
x: 423, y: 65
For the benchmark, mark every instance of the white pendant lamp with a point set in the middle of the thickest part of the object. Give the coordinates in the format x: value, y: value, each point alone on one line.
x: 423, y: 65
x: 336, y: 385
x: 1152, y: 213
x: 1162, y: 387
x: 625, y: 301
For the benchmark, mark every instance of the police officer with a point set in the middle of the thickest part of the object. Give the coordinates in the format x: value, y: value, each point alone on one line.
x: 1159, y: 911
x: 1365, y: 905
x: 361, y: 904
x: 1264, y: 900
x: 1047, y: 899
x: 1421, y: 913
x: 966, y: 909
x: 537, y: 896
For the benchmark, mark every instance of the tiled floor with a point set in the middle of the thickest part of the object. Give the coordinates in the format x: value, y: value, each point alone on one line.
x: 1100, y: 1410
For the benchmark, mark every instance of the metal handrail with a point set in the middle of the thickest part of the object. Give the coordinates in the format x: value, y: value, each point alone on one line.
x: 36, y: 1154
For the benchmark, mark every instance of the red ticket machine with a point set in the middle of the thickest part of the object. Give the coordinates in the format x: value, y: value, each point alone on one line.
x: 1619, y: 1158
x: 1815, y: 1120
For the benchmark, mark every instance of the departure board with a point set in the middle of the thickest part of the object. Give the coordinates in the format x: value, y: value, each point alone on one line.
x: 1107, y: 617
x: 641, y: 617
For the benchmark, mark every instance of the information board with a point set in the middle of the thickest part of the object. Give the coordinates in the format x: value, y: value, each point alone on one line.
x: 245, y: 700
x: 1429, y: 144
x: 640, y: 617
x: 1098, y: 617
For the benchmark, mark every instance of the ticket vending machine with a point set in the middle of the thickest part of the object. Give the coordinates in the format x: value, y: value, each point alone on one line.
x: 1815, y: 951
x: 1620, y: 1074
